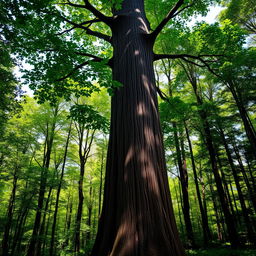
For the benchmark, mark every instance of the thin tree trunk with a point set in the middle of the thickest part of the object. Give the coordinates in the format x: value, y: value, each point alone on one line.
x: 42, y: 233
x: 52, y: 244
x: 239, y: 190
x: 229, y: 220
x: 47, y: 228
x: 226, y: 189
x: 220, y: 230
x: 249, y: 129
x: 77, y: 243
x: 179, y: 209
x: 6, y: 236
x: 84, y: 151
x: 33, y: 249
x: 68, y: 221
x: 89, y: 218
x: 184, y: 184
x: 252, y: 193
x: 206, y: 230
x: 101, y: 182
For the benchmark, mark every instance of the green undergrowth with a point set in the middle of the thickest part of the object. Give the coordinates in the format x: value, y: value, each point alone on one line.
x: 221, y: 252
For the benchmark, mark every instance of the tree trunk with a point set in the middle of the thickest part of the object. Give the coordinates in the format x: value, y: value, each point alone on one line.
x: 84, y: 150
x: 6, y: 237
x: 89, y: 217
x: 137, y: 216
x: 252, y: 193
x: 184, y: 186
x: 79, y: 210
x: 205, y: 225
x: 46, y: 229
x: 101, y: 182
x: 229, y: 220
x: 42, y: 234
x: 225, y: 187
x: 220, y: 229
x: 239, y: 189
x: 182, y: 232
x: 33, y: 245
x: 58, y: 194
x: 249, y: 129
x: 68, y: 220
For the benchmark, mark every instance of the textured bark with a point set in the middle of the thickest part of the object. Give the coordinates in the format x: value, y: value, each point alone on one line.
x: 137, y: 216
x: 205, y: 226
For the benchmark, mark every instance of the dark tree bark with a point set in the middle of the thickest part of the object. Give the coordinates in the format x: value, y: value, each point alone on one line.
x: 206, y: 230
x: 137, y: 216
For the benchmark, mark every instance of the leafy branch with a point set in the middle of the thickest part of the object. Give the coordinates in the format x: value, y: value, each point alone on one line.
x: 172, y: 13
x: 88, y: 6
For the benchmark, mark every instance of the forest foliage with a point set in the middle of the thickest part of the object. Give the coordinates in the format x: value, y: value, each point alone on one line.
x: 53, y: 145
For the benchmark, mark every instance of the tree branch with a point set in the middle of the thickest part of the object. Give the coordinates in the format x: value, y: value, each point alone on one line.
x: 97, y: 13
x: 88, y: 30
x: 87, y: 5
x: 89, y: 23
x: 162, y: 95
x: 187, y: 57
x: 73, y: 71
x: 172, y: 13
x: 95, y: 59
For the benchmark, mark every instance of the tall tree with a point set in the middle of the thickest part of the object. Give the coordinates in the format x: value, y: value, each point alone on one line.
x: 49, y: 133
x: 137, y: 216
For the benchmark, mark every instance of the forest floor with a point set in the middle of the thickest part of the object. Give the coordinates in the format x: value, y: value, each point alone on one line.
x: 221, y: 252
